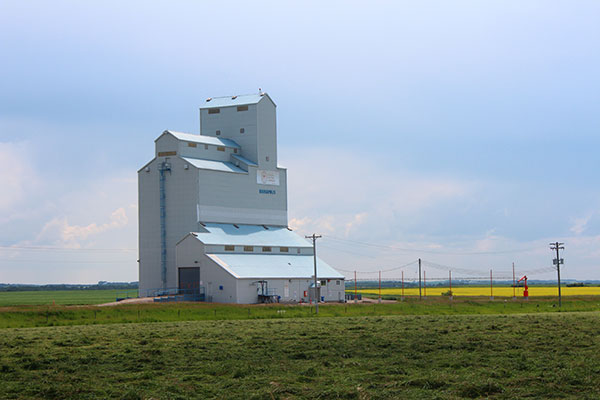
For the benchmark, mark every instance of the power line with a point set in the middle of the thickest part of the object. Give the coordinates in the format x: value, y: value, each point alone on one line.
x: 50, y: 248
x: 458, y: 253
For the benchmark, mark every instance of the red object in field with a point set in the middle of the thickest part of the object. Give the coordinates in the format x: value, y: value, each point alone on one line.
x: 526, y: 288
x: 305, y: 293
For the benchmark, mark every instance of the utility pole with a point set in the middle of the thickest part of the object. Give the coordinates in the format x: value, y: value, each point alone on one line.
x: 514, y: 284
x: 557, y: 261
x: 314, y: 238
x: 419, y: 279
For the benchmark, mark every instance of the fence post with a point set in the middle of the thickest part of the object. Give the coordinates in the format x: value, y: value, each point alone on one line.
x: 491, y: 286
x: 379, y: 286
x: 355, y: 289
x: 450, y: 278
x: 402, y: 297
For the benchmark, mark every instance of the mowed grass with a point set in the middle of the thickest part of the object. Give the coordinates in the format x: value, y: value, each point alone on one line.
x: 500, y: 291
x: 36, y: 316
x: 65, y: 297
x: 551, y: 355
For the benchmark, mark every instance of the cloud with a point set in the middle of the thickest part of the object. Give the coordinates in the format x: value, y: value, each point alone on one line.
x: 18, y: 178
x: 59, y: 232
x: 350, y: 195
x: 580, y: 224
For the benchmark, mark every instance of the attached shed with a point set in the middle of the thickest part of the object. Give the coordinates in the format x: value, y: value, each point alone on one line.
x: 248, y: 264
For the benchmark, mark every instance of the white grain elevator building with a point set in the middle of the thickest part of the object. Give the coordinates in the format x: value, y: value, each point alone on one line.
x: 213, y: 213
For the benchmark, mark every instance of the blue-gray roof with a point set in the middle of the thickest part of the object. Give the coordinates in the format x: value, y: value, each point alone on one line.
x: 227, y: 101
x: 259, y: 266
x: 244, y: 160
x: 250, y: 235
x: 203, y: 139
x: 213, y: 165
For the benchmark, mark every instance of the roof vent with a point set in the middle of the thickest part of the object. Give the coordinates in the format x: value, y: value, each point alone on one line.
x: 233, y: 97
x: 209, y: 99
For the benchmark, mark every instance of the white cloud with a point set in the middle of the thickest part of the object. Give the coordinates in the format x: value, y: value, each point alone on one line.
x: 580, y: 224
x: 17, y: 176
x: 349, y: 194
x: 59, y: 232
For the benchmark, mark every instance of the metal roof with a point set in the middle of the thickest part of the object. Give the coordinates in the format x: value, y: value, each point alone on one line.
x: 250, y: 235
x: 244, y: 160
x: 203, y: 139
x: 227, y: 101
x: 213, y: 165
x: 259, y: 266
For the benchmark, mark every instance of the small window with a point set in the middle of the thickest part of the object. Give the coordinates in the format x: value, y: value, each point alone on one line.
x: 190, y: 144
x: 242, y: 108
x: 229, y: 248
x: 284, y: 249
x: 298, y: 251
x: 167, y: 153
x: 218, y: 133
x: 267, y: 158
x: 248, y: 248
x: 323, y: 283
x: 205, y: 147
x: 220, y: 148
x: 214, y: 110
x: 337, y: 283
x: 242, y: 130
x: 235, y: 151
x: 266, y: 248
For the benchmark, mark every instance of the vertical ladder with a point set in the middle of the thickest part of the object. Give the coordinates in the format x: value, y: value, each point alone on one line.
x: 164, y: 167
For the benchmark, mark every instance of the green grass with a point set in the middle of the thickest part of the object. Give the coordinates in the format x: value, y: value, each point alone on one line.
x: 36, y: 316
x: 64, y: 297
x: 546, y: 355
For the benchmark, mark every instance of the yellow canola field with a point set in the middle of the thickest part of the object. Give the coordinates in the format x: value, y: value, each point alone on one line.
x: 485, y: 291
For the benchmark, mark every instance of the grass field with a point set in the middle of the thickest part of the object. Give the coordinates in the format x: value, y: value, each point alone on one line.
x: 37, y: 316
x: 500, y: 291
x: 65, y: 297
x: 370, y: 357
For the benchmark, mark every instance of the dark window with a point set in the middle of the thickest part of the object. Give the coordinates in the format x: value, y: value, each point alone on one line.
x: 248, y: 248
x: 323, y: 283
x: 218, y: 133
x: 229, y: 248
x: 205, y: 147
x: 214, y: 110
x: 190, y: 144
x: 284, y: 249
x: 266, y: 248
x: 242, y: 130
x: 242, y: 108
x: 235, y: 151
x: 220, y: 148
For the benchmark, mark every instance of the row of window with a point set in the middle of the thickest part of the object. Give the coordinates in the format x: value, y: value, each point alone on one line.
x: 219, y: 148
x: 218, y: 110
x: 265, y: 249
x: 218, y: 132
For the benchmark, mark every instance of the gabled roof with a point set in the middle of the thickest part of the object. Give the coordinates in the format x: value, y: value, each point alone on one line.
x: 228, y: 101
x: 189, y: 137
x: 214, y: 165
x: 261, y: 266
x: 250, y: 235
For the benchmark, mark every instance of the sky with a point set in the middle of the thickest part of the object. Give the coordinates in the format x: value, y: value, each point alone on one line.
x: 465, y: 133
